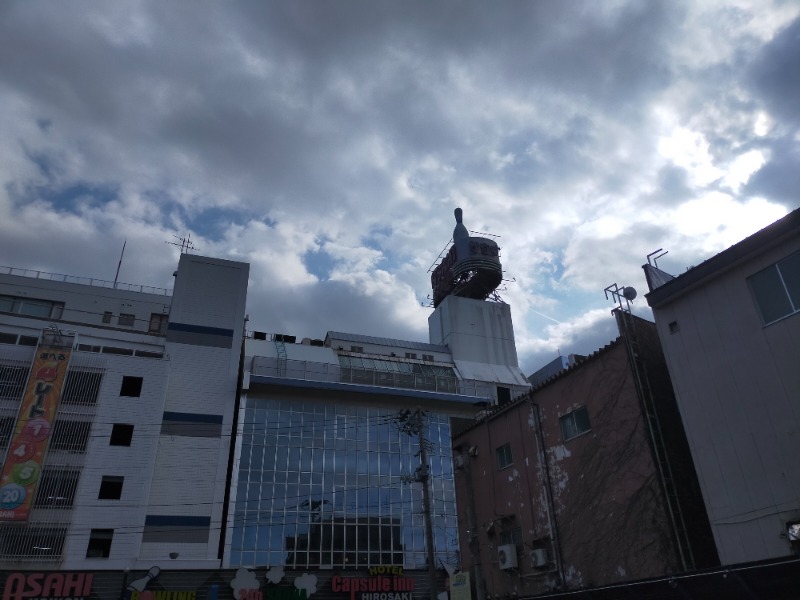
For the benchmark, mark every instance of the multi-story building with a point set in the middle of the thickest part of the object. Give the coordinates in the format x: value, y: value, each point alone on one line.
x: 730, y: 329
x: 341, y: 461
x: 116, y: 405
x: 343, y: 453
x: 584, y: 482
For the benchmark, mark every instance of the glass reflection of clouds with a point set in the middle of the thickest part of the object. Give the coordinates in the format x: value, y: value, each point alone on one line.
x: 322, y: 486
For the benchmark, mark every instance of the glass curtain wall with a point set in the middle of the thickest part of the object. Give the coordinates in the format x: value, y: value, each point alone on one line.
x: 327, y: 486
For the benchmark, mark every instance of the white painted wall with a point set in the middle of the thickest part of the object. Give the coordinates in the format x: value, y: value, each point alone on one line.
x: 738, y: 387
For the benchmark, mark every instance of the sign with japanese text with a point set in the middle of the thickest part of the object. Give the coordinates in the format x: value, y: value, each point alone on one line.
x: 23, y: 465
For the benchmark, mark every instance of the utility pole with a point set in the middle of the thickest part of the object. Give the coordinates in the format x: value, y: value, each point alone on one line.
x: 412, y: 423
x: 474, y: 539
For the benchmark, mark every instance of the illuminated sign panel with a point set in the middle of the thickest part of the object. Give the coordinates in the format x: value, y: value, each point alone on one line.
x: 23, y: 465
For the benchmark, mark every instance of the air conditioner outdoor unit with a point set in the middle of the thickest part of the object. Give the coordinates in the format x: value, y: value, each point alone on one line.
x: 458, y: 461
x: 507, y: 556
x: 538, y: 557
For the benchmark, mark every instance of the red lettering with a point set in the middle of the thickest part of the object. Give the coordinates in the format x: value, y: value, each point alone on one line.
x: 54, y: 585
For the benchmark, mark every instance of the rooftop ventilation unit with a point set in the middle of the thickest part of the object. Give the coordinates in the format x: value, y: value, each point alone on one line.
x: 507, y: 556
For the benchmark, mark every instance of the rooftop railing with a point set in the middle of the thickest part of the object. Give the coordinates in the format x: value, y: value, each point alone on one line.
x: 128, y: 287
x: 315, y: 371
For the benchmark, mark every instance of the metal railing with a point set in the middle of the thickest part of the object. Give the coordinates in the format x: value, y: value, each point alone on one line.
x: 128, y: 287
x: 315, y: 371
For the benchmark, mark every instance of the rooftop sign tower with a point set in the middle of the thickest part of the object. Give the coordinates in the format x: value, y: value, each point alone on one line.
x: 470, y: 269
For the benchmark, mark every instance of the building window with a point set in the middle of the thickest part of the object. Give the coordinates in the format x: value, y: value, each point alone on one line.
x: 511, y: 535
x: 70, y: 436
x: 357, y: 349
x: 57, y: 488
x: 503, y: 394
x: 674, y: 327
x: 107, y: 316
x: 158, y: 323
x: 6, y: 427
x: 131, y: 386
x: 28, y: 340
x: 100, y: 543
x: 411, y: 355
x: 777, y: 289
x: 110, y: 488
x: 8, y: 338
x: 504, y: 458
x: 12, y: 381
x: 427, y: 357
x: 31, y: 307
x: 121, y: 435
x: 575, y: 423
x: 33, y: 542
x: 81, y: 387
x: 126, y: 320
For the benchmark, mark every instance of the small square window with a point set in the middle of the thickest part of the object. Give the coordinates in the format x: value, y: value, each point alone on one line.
x: 107, y: 316
x: 121, y: 435
x: 126, y: 320
x: 575, y: 423
x: 674, y: 327
x: 504, y: 458
x: 110, y: 488
x: 131, y: 386
x: 100, y: 543
x: 158, y: 323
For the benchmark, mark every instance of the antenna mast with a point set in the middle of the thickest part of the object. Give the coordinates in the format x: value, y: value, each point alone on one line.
x: 184, y: 243
x: 120, y: 262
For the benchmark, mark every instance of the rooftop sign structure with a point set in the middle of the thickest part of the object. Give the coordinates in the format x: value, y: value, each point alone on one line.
x: 470, y: 269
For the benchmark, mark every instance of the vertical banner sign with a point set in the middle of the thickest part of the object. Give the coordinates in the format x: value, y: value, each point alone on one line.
x: 23, y: 466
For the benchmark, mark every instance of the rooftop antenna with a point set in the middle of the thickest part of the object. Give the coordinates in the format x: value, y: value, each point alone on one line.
x: 120, y: 262
x: 619, y: 294
x: 184, y: 243
x: 654, y: 260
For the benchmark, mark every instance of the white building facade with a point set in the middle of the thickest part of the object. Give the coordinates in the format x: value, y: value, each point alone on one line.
x: 132, y: 462
x: 730, y: 330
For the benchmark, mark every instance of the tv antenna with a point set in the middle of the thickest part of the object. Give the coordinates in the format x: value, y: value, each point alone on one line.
x: 619, y: 294
x: 184, y: 243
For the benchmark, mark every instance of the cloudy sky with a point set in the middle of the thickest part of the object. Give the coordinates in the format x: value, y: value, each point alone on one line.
x: 327, y: 144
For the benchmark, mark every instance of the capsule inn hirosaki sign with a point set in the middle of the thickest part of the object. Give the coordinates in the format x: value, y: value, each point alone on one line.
x: 22, y: 468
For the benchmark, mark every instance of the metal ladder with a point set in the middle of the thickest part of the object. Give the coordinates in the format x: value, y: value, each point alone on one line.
x: 280, y: 348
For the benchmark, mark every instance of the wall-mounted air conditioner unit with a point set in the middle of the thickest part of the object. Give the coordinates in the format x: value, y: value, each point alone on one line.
x: 538, y: 557
x: 458, y: 461
x: 507, y: 556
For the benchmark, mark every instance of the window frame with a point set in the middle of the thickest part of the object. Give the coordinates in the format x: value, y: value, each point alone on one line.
x: 505, y: 457
x: 121, y: 435
x: 570, y: 417
x: 787, y: 268
x: 99, y: 545
x: 131, y: 386
x: 111, y: 487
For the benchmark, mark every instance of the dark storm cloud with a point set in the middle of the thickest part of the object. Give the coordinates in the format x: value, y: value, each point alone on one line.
x: 779, y: 178
x: 775, y: 74
x: 327, y: 143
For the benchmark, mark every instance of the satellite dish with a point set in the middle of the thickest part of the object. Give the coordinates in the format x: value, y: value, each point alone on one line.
x: 628, y: 293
